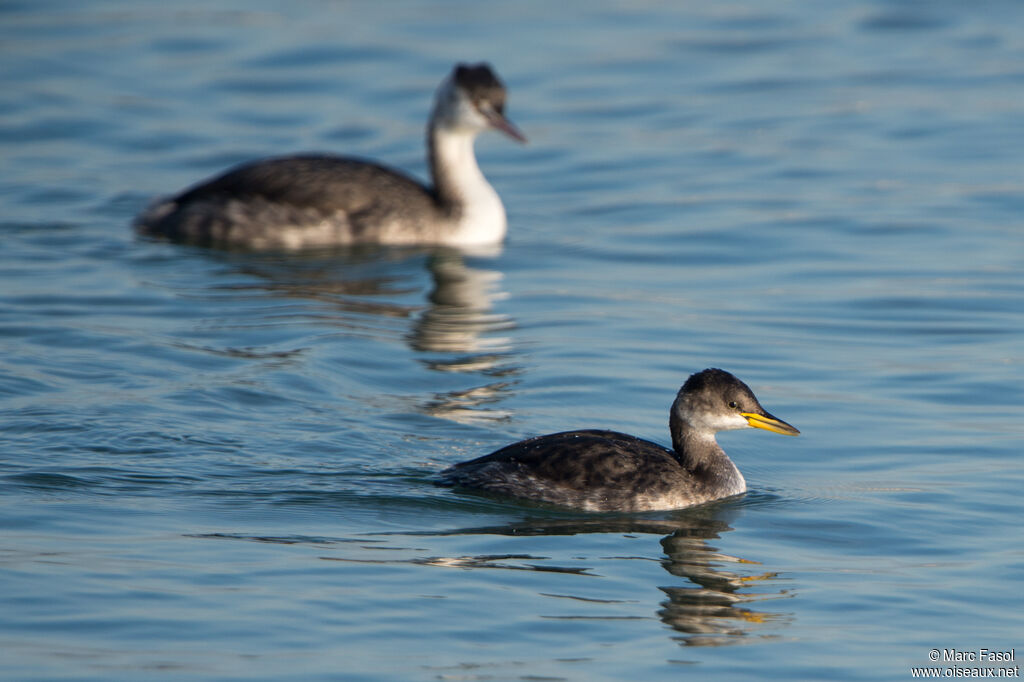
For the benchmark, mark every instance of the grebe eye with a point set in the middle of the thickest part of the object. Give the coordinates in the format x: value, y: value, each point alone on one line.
x: 732, y: 404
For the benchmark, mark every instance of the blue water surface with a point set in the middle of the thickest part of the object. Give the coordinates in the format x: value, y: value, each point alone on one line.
x: 218, y: 465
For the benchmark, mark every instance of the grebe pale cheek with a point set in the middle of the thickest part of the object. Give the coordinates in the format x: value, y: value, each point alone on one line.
x: 322, y: 200
x: 609, y: 471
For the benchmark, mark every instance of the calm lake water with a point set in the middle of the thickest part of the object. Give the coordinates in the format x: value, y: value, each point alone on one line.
x: 217, y: 466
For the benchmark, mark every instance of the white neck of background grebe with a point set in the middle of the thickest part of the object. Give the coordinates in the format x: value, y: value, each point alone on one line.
x: 460, y: 185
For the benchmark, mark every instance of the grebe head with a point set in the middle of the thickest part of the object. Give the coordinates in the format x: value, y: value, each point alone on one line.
x: 472, y: 99
x: 715, y: 400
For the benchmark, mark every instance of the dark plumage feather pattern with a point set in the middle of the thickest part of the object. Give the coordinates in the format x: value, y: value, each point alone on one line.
x: 591, y: 469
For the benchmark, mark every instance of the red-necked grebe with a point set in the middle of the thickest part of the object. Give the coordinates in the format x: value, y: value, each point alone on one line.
x: 609, y: 471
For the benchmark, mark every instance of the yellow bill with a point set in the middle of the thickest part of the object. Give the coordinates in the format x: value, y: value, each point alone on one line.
x: 769, y: 423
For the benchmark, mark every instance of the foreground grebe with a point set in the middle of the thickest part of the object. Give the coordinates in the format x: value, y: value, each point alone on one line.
x: 609, y: 471
x: 318, y: 200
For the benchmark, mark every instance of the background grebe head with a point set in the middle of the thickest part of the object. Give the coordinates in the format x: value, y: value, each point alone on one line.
x: 470, y: 100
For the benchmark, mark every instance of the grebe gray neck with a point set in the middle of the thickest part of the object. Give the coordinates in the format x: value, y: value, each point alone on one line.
x: 700, y: 454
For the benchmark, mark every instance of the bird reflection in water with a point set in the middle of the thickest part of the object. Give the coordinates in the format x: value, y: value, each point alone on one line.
x: 715, y: 606
x: 714, y: 609
x: 459, y: 318
x: 719, y: 602
x: 455, y: 331
x: 460, y: 332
